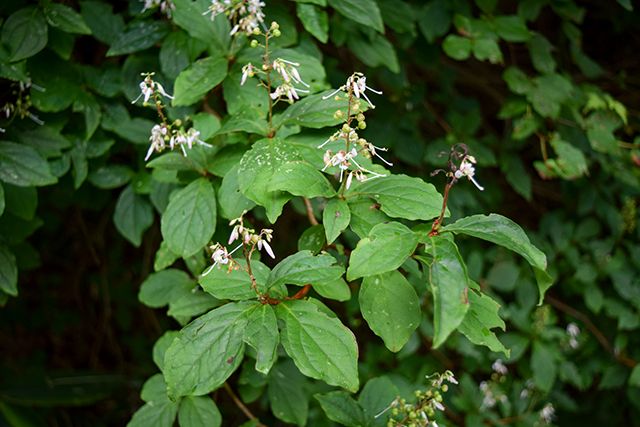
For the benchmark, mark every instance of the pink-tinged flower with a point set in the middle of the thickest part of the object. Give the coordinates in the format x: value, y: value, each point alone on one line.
x: 157, y: 139
x: 467, y: 169
x: 357, y: 84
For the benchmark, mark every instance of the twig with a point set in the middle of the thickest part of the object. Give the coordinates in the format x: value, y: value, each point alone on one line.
x: 241, y: 405
x: 310, y: 215
x: 592, y: 328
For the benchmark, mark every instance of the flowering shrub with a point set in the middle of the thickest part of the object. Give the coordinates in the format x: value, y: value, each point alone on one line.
x: 334, y: 242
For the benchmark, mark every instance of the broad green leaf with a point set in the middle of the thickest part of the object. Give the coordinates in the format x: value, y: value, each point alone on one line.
x: 133, y: 215
x: 375, y: 51
x: 65, y: 18
x: 22, y: 166
x: 164, y: 257
x: 21, y: 201
x: 487, y: 49
x: 232, y: 201
x: 480, y: 319
x: 190, y: 16
x: 45, y: 140
x: 288, y: 399
x: 163, y: 287
x: 335, y: 289
x: 314, y: 20
x: 24, y: 33
x: 104, y: 24
x: 365, y: 12
x: 321, y: 346
x: 340, y: 407
x: 504, y: 232
x: 365, y: 214
x: 517, y: 81
x: 311, y: 69
x: 207, y: 351
x: 312, y: 239
x: 178, y: 50
x: 158, y: 410
x: 512, y: 28
x: 257, y: 168
x: 8, y: 272
x: 399, y: 15
x: 161, y: 346
x: 109, y: 177
x: 198, y: 79
x: 190, y: 219
x: 457, y: 47
x: 548, y: 93
x: 434, y: 19
x: 391, y: 308
x: 249, y: 120
x: 540, y: 50
x: 385, y: 249
x: 316, y: 112
x: 634, y: 378
x: 376, y: 395
x: 571, y: 162
x: 303, y: 267
x: 207, y: 124
x: 191, y: 304
x: 199, y: 411
x: 89, y: 107
x: 402, y: 196
x: 248, y: 96
x: 335, y: 218
x: 449, y: 286
x: 544, y: 366
x: 261, y: 333
x: 300, y: 179
x: 139, y: 36
x: 234, y: 284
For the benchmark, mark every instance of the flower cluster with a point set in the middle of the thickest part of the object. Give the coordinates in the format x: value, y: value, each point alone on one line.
x: 150, y: 88
x: 245, y: 15
x: 166, y: 6
x: 573, y: 331
x: 547, y: 413
x: 21, y: 105
x: 491, y: 390
x: 355, y: 145
x: 423, y: 410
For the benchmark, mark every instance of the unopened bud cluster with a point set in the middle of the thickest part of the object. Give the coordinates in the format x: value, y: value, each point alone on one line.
x: 21, y: 104
x: 245, y: 16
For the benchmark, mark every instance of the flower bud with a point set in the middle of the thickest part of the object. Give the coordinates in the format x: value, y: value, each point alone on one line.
x: 276, y: 33
x: 362, y: 125
x: 338, y: 114
x: 256, y: 31
x: 254, y: 43
x: 360, y: 117
x: 274, y: 25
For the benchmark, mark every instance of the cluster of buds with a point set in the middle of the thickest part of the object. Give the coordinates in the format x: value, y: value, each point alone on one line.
x: 573, y: 331
x: 248, y: 236
x: 345, y: 159
x: 245, y: 15
x: 166, y: 6
x: 357, y: 85
x: 175, y: 136
x: 420, y: 413
x: 151, y: 88
x: 491, y: 390
x: 21, y: 105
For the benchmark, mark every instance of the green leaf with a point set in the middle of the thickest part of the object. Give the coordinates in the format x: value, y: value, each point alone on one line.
x: 303, y: 267
x: 159, y: 410
x: 24, y: 33
x: 315, y: 112
x: 139, y: 36
x: 178, y: 50
x: 207, y: 351
x: 261, y: 333
x: 544, y: 366
x: 21, y: 201
x: 8, y: 272
x: 234, y: 284
x: 312, y: 239
x: 335, y: 218
x: 335, y: 289
x: 375, y: 51
x: 401, y: 196
x: 198, y: 79
x: 258, y: 167
x: 634, y: 378
x: 314, y: 20
x: 189, y: 15
x: 232, y: 201
x: 22, y: 166
x: 571, y: 162
x: 435, y: 19
x: 65, y: 18
x: 376, y: 395
x: 321, y: 346
x: 190, y: 219
x: 540, y: 51
x: 45, y: 140
x: 365, y: 214
x: 104, y: 24
x: 163, y: 287
x: 365, y: 12
x: 340, y: 407
x: 457, y: 47
x: 287, y: 396
x: 548, y: 94
x: 480, y: 319
x: 485, y: 48
x: 512, y: 28
x: 192, y: 303
x: 449, y: 286
x: 626, y: 4
x: 300, y: 179
x: 109, y: 177
x: 391, y: 308
x: 161, y: 346
x: 504, y: 232
x: 196, y: 411
x: 133, y: 215
x: 385, y: 249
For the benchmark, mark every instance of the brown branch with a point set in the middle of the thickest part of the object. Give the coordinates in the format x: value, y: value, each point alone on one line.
x: 241, y: 405
x: 310, y: 215
x: 301, y: 293
x: 592, y: 328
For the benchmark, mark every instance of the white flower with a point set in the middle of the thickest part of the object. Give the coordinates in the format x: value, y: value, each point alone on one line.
x: 263, y: 242
x: 500, y: 367
x: 573, y: 330
x: 547, y: 413
x: 287, y: 89
x: 247, y: 71
x: 244, y: 15
x: 221, y: 256
x: 467, y: 169
x: 439, y: 406
x: 166, y: 6
x: 157, y: 140
x: 356, y: 84
x: 148, y: 87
